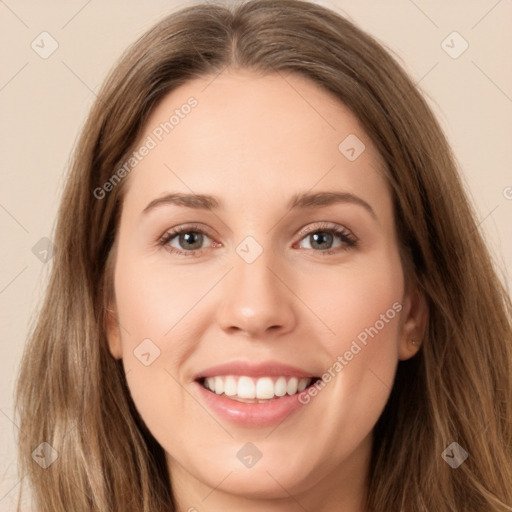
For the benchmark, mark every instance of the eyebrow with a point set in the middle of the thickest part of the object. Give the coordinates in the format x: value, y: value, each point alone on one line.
x: 303, y: 200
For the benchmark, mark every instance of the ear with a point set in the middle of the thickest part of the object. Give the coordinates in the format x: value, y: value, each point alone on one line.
x: 113, y: 332
x: 414, y: 323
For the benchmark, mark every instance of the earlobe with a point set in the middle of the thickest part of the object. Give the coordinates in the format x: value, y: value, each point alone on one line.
x: 113, y: 333
x: 414, y: 324
x: 408, y: 349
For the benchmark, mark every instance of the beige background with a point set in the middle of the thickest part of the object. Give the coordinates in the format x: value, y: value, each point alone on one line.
x: 44, y: 103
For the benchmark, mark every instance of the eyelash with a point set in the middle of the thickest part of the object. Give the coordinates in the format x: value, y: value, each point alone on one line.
x: 344, y: 234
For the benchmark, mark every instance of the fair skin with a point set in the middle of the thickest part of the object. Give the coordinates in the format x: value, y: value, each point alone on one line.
x: 253, y: 142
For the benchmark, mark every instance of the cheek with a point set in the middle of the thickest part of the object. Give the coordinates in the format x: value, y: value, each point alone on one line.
x: 362, y: 309
x: 149, y: 311
x: 361, y: 306
x: 157, y: 301
x: 145, y: 300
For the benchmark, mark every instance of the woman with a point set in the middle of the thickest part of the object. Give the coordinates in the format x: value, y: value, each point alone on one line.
x: 334, y: 338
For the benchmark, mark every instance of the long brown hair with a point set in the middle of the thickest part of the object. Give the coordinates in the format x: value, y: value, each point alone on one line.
x: 72, y: 393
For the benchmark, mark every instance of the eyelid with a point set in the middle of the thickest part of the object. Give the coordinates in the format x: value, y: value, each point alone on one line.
x: 327, y: 226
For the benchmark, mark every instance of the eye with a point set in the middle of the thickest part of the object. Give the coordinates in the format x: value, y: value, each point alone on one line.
x: 320, y: 238
x: 190, y: 237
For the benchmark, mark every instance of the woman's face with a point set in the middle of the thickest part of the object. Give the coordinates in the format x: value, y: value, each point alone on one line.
x: 287, y: 270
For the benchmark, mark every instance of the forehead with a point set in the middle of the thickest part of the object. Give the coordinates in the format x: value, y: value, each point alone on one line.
x: 263, y: 137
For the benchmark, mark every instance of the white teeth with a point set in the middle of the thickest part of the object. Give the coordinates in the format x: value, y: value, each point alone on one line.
x: 210, y: 383
x: 291, y: 387
x: 219, y: 385
x: 230, y: 386
x: 263, y: 388
x: 280, y: 386
x: 303, y: 384
x: 246, y: 388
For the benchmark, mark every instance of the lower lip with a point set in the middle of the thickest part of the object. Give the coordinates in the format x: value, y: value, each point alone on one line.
x: 256, y: 415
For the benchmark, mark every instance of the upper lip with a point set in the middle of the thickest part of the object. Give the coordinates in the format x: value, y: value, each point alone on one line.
x: 262, y: 369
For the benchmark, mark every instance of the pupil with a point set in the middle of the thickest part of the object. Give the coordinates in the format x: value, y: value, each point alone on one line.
x: 188, y: 237
x: 321, y: 237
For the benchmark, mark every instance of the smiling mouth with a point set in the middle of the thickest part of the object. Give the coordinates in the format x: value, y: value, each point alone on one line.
x: 246, y: 389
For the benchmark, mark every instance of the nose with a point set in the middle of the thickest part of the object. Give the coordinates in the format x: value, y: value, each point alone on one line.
x: 257, y: 300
